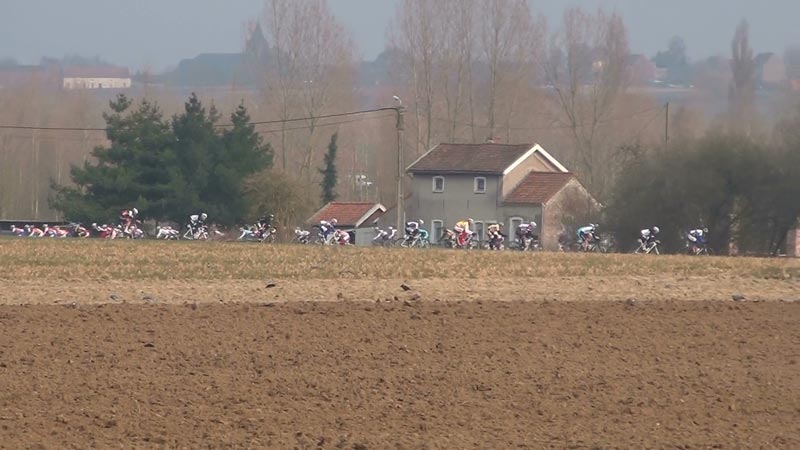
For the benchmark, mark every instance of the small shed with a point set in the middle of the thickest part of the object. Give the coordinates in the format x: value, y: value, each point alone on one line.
x: 359, y: 218
x: 560, y: 198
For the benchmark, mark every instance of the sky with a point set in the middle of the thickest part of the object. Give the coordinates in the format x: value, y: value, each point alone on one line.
x: 157, y: 34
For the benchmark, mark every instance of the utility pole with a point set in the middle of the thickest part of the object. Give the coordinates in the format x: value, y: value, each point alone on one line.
x: 666, y: 129
x: 400, y: 109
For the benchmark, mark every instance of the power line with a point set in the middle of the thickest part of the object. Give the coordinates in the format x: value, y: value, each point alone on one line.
x: 326, y: 116
x: 554, y: 127
x: 24, y: 127
x: 225, y: 125
x: 326, y: 124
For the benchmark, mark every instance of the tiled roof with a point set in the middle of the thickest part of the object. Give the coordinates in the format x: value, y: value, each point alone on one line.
x: 469, y: 158
x: 348, y: 214
x: 96, y: 72
x: 539, y: 187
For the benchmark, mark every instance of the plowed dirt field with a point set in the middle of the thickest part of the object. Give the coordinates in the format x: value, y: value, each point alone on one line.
x: 579, y: 353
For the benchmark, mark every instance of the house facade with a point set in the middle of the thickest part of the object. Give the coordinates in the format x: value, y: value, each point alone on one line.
x: 492, y: 183
x: 96, y: 77
x: 641, y: 70
x: 770, y: 70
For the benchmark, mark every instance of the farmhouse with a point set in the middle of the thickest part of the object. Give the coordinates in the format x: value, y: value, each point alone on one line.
x: 96, y: 77
x: 359, y: 218
x: 496, y: 183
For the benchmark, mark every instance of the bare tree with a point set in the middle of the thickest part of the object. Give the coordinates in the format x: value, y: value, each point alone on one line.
x: 313, y: 72
x: 741, y: 91
x: 416, y: 31
x: 464, y: 53
x: 510, y: 40
x: 586, y: 68
x: 457, y: 54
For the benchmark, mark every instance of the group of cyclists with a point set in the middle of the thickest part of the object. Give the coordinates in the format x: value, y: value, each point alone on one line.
x: 128, y: 226
x: 262, y: 231
x: 462, y: 235
x: 648, y: 242
x: 525, y: 238
x: 46, y: 230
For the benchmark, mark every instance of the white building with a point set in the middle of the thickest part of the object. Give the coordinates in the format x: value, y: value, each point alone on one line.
x: 96, y: 77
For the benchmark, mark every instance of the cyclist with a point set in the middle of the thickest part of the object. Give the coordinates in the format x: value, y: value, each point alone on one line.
x: 587, y: 234
x: 496, y: 236
x: 327, y: 228
x: 697, y: 238
x: 196, y: 222
x: 413, y: 230
x: 525, y: 234
x: 648, y: 236
x: 463, y: 230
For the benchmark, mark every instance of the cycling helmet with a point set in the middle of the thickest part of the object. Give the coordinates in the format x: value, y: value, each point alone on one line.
x: 705, y: 230
x: 470, y: 220
x: 135, y: 211
x: 204, y: 216
x: 656, y: 230
x: 533, y: 224
x: 421, y: 222
x: 334, y: 221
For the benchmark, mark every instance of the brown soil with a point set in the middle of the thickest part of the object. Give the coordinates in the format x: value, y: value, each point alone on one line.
x: 144, y: 370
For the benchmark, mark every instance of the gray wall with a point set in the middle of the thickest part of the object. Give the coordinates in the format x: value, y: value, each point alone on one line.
x: 364, y: 236
x: 525, y: 212
x: 459, y: 201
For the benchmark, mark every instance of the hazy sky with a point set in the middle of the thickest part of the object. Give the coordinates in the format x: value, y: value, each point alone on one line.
x: 158, y: 33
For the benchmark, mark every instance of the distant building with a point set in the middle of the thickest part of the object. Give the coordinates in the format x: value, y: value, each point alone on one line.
x: 641, y: 70
x: 96, y: 77
x: 358, y: 218
x: 793, y: 76
x: 247, y: 68
x: 771, y: 70
x: 495, y: 183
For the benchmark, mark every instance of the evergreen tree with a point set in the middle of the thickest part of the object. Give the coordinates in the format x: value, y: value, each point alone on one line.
x: 197, y: 145
x: 244, y: 154
x: 214, y: 163
x: 167, y: 170
x: 136, y: 170
x: 328, y: 182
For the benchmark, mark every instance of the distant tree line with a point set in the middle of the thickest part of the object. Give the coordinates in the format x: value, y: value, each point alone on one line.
x: 745, y: 192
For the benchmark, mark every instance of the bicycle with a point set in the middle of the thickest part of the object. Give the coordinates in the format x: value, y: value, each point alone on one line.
x: 648, y: 248
x: 696, y: 249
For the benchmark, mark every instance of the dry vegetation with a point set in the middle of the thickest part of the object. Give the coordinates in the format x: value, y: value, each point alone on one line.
x: 214, y: 261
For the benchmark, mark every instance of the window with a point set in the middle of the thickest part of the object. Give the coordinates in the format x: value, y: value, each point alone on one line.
x: 480, y: 185
x: 438, y: 184
x: 437, y: 227
x: 479, y: 231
